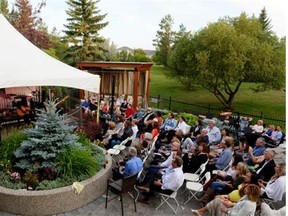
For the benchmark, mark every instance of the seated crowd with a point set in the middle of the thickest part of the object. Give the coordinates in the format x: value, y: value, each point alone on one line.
x: 241, y: 173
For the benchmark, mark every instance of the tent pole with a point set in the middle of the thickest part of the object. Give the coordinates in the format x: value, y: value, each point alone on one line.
x: 98, y: 109
x: 113, y: 93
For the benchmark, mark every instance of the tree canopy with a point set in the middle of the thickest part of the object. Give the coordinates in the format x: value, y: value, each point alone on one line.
x: 164, y: 40
x: 226, y: 53
x: 82, y: 30
x: 25, y: 19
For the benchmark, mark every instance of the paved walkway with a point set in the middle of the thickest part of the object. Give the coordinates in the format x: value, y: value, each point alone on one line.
x: 114, y: 207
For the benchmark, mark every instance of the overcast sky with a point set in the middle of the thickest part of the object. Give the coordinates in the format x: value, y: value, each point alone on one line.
x: 134, y: 23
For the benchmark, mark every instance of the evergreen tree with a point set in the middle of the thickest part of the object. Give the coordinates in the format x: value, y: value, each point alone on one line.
x: 4, y: 7
x: 84, y: 24
x: 49, y: 138
x: 181, y: 33
x: 265, y: 21
x: 164, y: 41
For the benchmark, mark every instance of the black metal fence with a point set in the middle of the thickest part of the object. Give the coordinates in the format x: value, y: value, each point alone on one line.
x: 209, y: 111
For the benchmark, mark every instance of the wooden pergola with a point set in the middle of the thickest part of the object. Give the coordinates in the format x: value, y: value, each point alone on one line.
x: 133, y: 78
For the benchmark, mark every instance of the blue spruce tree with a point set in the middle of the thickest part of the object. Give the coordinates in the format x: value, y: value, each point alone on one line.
x: 50, y: 136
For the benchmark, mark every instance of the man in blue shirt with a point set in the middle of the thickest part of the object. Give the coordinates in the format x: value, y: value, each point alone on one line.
x: 169, y: 124
x: 219, y: 163
x: 258, y: 150
x: 132, y: 166
x: 214, y: 134
x: 134, y: 163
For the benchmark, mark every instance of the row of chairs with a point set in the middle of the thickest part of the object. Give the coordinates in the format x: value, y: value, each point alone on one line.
x: 118, y: 149
x: 193, y: 184
x: 127, y: 184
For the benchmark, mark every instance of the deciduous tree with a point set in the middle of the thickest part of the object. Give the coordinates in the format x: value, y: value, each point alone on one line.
x: 4, y: 7
x: 27, y: 21
x: 221, y: 56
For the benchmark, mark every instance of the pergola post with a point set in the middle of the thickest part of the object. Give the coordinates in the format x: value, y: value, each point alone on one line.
x: 136, y: 87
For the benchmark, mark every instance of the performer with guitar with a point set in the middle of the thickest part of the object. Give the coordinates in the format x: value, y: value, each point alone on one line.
x: 26, y: 109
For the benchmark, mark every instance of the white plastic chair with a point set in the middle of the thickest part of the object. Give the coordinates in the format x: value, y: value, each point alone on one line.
x: 195, y: 176
x: 225, y: 169
x: 166, y: 197
x: 196, y: 187
x: 116, y: 150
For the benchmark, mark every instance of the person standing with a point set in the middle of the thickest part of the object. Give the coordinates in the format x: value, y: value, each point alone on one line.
x: 27, y: 107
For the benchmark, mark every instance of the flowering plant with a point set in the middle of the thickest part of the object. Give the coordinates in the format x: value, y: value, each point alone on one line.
x: 15, y: 176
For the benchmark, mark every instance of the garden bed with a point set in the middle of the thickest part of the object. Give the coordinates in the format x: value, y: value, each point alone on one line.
x: 55, y: 201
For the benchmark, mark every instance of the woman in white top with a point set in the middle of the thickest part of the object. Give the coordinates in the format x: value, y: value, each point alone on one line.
x: 258, y: 128
x: 182, y: 125
x: 246, y: 206
x: 275, y: 188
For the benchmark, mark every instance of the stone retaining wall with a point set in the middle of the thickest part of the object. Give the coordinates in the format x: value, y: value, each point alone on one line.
x: 55, y: 201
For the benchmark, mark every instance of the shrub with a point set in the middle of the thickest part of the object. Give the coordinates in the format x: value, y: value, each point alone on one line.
x: 92, y: 129
x: 57, y: 183
x: 7, y: 182
x: 30, y: 179
x: 50, y: 137
x: 189, y: 118
x: 9, y: 145
x: 96, y: 147
x: 75, y: 162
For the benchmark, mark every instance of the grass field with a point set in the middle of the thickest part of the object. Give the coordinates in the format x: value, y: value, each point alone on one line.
x: 271, y: 103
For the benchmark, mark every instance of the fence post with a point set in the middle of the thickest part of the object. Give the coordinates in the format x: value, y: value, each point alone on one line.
x: 158, y: 101
x: 170, y: 103
x: 261, y: 115
x: 209, y: 107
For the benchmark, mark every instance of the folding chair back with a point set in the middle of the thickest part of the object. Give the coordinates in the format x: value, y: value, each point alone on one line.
x: 122, y: 186
x: 128, y: 183
x: 207, y: 176
x: 203, y: 167
x: 197, y: 175
x: 228, y: 166
x: 196, y: 187
x: 166, y: 197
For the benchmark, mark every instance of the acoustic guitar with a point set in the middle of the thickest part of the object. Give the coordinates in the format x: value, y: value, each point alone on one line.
x: 23, y: 111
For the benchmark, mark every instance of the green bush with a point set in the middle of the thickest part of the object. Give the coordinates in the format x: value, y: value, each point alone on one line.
x: 6, y: 181
x: 189, y: 118
x: 9, y: 145
x: 75, y: 162
x: 96, y: 148
x: 52, y: 184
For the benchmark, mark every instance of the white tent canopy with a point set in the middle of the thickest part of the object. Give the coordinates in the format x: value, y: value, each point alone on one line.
x: 23, y: 64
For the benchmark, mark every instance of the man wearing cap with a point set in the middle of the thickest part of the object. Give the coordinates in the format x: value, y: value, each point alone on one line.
x: 27, y: 106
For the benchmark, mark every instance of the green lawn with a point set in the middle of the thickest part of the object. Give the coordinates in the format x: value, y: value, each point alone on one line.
x: 271, y: 103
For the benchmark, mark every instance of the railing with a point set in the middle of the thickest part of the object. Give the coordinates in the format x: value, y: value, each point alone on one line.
x: 209, y: 111
x: 70, y: 106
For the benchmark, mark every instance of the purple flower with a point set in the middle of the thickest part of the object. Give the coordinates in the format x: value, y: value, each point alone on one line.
x: 15, y: 175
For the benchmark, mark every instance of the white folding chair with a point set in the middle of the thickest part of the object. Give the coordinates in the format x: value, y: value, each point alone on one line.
x: 272, y: 202
x: 196, y: 187
x: 116, y: 150
x: 165, y: 198
x: 225, y: 169
x: 195, y: 176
